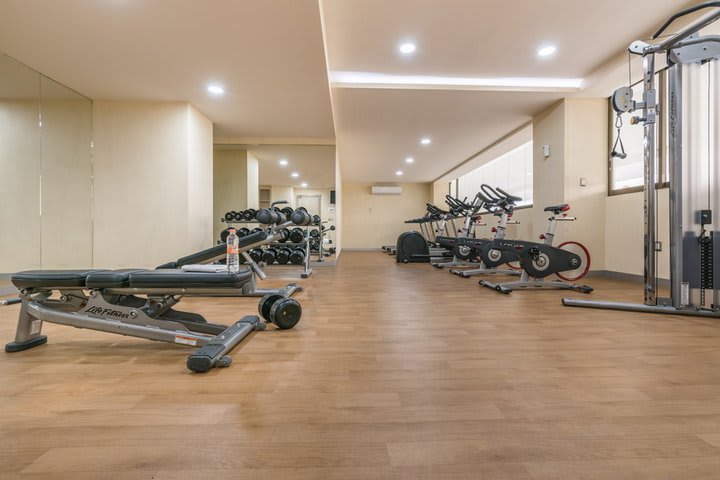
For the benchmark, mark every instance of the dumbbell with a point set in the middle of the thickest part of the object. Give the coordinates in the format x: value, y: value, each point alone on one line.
x: 287, y: 211
x: 230, y: 216
x: 316, y: 219
x: 256, y: 230
x: 249, y: 214
x: 256, y: 254
x: 297, y: 256
x: 331, y: 228
x: 283, y: 255
x: 269, y: 255
x: 243, y: 232
x: 238, y: 217
x: 314, y: 233
x: 315, y: 244
x: 297, y: 235
x: 224, y: 234
x: 269, y: 217
x: 301, y: 217
x: 284, y: 235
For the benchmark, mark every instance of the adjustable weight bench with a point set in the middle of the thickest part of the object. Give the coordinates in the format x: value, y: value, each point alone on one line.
x: 108, y: 301
x: 246, y: 243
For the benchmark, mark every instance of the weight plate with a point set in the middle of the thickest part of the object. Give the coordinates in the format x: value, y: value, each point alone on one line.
x: 285, y: 313
x: 266, y: 304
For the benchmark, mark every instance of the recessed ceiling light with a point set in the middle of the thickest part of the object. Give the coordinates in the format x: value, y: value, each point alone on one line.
x: 346, y: 79
x: 399, y: 173
x: 216, y: 90
x: 425, y: 141
x: 409, y: 160
x: 304, y: 184
x: 294, y: 174
x: 546, y: 50
x: 283, y: 162
x: 407, y: 48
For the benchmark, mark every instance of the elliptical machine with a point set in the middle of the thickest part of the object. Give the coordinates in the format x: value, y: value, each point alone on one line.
x: 570, y: 261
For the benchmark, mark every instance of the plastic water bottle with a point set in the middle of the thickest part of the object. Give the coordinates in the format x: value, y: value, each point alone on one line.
x: 233, y: 252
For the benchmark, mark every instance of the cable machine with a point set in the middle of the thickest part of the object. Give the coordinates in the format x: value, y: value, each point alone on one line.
x: 694, y: 147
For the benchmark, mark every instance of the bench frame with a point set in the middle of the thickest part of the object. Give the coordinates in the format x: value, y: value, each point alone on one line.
x: 119, y: 311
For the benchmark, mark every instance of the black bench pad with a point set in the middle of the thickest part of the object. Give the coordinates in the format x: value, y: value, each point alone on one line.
x: 110, y: 278
x: 50, y: 278
x: 204, y: 256
x: 181, y: 279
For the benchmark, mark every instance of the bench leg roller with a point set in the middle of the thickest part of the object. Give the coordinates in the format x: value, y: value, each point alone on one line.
x: 213, y: 354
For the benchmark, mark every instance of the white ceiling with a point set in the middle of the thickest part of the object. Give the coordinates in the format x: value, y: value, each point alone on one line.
x: 377, y: 128
x: 314, y: 163
x: 268, y: 55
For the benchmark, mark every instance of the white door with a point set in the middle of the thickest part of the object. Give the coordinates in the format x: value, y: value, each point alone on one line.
x: 310, y: 202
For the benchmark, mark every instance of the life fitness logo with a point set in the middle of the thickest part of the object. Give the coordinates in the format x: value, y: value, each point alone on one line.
x: 107, y: 312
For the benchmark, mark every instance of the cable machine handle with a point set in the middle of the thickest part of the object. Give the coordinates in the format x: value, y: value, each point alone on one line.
x: 683, y: 13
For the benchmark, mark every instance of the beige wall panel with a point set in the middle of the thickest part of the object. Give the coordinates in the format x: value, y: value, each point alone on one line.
x: 370, y: 221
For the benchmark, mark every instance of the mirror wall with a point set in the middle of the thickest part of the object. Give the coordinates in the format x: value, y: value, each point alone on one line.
x: 46, y: 164
x: 255, y: 176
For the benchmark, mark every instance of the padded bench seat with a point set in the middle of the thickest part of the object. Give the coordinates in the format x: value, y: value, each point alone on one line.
x: 182, y: 279
x: 135, y: 278
x: 50, y: 278
x: 111, y: 278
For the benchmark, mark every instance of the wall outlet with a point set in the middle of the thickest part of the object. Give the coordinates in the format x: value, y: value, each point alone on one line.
x: 546, y: 151
x: 583, y: 182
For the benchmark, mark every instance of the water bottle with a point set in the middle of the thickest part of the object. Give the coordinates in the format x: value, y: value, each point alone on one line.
x: 233, y: 252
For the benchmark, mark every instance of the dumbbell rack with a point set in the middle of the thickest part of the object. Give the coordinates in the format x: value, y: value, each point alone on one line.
x: 305, y: 244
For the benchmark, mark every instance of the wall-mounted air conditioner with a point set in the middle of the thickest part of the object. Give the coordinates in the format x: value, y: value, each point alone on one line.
x: 386, y: 190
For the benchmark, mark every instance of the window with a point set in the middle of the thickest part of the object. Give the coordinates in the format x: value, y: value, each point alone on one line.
x: 627, y: 174
x: 512, y: 171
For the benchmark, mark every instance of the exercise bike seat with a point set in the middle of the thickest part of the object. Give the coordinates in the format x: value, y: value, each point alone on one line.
x: 564, y: 207
x: 49, y: 279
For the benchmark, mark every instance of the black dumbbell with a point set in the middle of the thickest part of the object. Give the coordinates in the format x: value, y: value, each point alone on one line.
x: 237, y: 217
x: 269, y: 255
x: 297, y: 235
x: 249, y: 214
x: 316, y: 219
x: 256, y: 230
x: 284, y: 235
x: 223, y: 235
x: 297, y: 257
x: 256, y: 254
x: 314, y: 233
x: 230, y: 216
x: 283, y: 256
x: 269, y: 217
x: 243, y: 232
x: 301, y: 217
x: 281, y: 311
x: 287, y: 211
x: 315, y: 244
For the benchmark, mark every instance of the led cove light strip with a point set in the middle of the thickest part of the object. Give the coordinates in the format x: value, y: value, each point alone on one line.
x: 383, y: 80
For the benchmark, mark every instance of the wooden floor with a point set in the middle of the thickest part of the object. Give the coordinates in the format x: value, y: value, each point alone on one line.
x: 396, y: 371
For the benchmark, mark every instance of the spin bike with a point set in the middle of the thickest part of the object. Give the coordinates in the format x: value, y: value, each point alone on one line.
x: 501, y: 204
x: 570, y: 261
x: 472, y: 219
